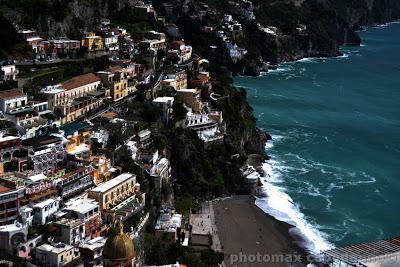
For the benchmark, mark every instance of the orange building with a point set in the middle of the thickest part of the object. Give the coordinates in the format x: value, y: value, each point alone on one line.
x: 101, y: 169
x: 80, y: 144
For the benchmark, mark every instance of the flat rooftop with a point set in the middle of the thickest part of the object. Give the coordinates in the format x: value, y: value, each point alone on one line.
x: 193, y: 91
x: 41, y: 140
x: 44, y: 203
x: 8, y: 138
x: 95, y: 243
x: 164, y: 99
x: 57, y: 248
x: 81, y: 205
x: 69, y: 222
x: 104, y: 187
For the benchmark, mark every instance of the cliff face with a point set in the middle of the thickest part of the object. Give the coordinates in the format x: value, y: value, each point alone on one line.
x: 311, y: 28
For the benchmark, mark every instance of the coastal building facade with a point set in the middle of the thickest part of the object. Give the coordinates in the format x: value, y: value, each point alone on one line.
x: 114, y: 191
x: 56, y: 255
x: 74, y: 98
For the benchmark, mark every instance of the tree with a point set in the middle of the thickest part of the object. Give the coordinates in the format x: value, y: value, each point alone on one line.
x: 211, y: 258
x: 179, y: 111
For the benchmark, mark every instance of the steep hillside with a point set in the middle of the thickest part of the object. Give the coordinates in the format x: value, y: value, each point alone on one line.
x: 310, y: 28
x: 54, y: 18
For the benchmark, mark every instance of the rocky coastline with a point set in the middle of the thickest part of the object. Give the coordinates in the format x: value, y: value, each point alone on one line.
x: 325, y: 26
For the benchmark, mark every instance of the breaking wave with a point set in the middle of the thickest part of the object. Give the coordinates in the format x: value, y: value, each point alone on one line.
x: 277, y: 203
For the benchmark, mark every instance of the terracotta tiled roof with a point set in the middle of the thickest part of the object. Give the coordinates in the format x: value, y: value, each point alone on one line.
x: 116, y: 68
x: 79, y: 81
x: 177, y: 44
x: 8, y: 94
x: 4, y: 189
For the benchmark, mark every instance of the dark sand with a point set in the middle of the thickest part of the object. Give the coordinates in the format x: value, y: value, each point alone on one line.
x: 244, y: 229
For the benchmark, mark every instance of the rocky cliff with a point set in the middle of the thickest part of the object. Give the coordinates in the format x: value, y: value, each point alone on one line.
x: 311, y: 28
x: 55, y: 18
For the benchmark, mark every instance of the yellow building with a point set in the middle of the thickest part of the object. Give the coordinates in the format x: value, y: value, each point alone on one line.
x: 176, y: 80
x: 92, y: 42
x: 114, y: 191
x: 116, y: 82
x: 192, y: 99
x: 74, y: 98
x: 57, y: 255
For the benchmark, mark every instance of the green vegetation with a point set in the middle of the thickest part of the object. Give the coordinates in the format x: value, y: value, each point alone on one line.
x: 12, y: 43
x: 160, y: 252
x: 179, y: 111
x: 183, y: 205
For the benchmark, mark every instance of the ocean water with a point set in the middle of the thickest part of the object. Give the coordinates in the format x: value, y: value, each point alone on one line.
x: 335, y: 123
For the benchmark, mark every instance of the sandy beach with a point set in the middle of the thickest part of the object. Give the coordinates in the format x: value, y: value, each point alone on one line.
x: 249, y: 237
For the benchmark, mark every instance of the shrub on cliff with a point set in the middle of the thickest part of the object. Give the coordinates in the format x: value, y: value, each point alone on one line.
x: 12, y: 43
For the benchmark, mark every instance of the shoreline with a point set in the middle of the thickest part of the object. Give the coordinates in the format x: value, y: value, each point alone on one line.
x: 338, y: 54
x: 245, y: 229
x: 283, y: 228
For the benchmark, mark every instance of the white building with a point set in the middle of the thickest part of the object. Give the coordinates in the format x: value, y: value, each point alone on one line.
x: 160, y: 173
x: 92, y: 251
x: 206, y: 128
x: 111, y: 42
x: 155, y: 35
x: 87, y: 210
x: 70, y: 231
x: 8, y: 72
x: 43, y: 211
x: 11, y: 235
x: 168, y: 224
x: 153, y: 44
x: 27, y: 215
x: 57, y: 255
x: 165, y: 104
x: 13, y: 100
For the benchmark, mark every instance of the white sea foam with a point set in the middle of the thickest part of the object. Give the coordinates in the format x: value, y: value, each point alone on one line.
x: 280, y: 205
x: 278, y: 70
x: 306, y: 60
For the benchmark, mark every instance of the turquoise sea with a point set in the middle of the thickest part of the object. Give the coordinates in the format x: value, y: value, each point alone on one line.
x: 335, y: 170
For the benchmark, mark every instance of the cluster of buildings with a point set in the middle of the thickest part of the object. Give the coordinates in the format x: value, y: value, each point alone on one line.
x: 72, y: 100
x: 196, y: 230
x: 57, y: 181
x: 50, y: 49
x: 229, y: 32
x: 200, y: 115
x: 60, y: 189
x: 105, y: 39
